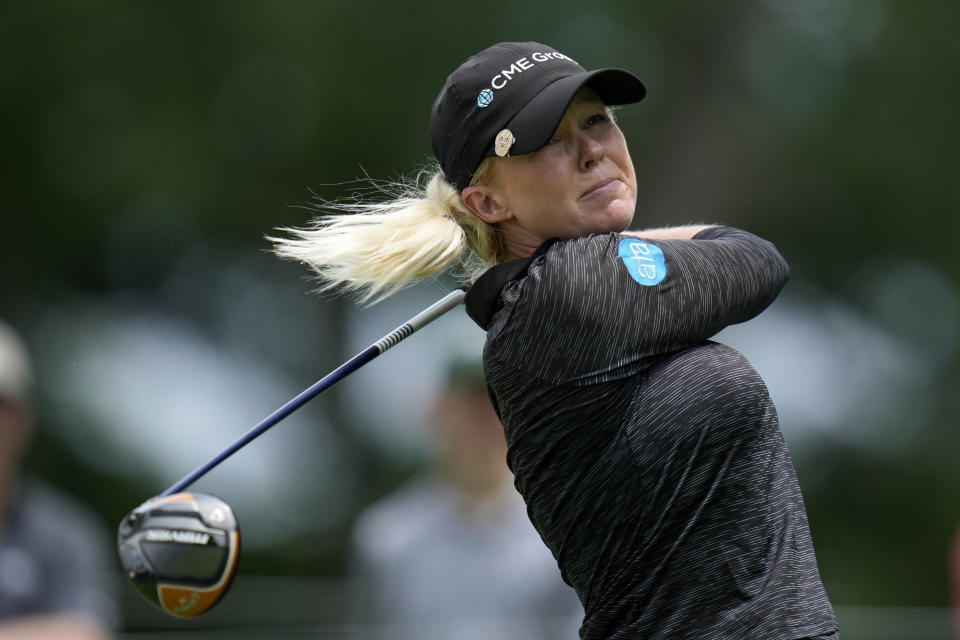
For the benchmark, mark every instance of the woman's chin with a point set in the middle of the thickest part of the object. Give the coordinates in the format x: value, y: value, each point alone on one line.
x: 616, y: 217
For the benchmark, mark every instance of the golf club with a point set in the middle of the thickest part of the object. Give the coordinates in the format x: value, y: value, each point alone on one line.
x: 180, y: 549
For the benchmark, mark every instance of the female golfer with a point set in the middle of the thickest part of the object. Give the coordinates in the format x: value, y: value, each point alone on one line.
x: 650, y: 458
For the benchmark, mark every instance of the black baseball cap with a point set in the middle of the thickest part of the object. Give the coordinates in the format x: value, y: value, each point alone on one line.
x: 508, y: 100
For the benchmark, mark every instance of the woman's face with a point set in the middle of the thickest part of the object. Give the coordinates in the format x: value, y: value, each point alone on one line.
x: 581, y: 182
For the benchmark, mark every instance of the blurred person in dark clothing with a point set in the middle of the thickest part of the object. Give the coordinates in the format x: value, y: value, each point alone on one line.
x: 452, y: 555
x: 53, y: 562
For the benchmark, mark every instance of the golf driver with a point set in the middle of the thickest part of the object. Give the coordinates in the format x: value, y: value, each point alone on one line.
x: 180, y: 549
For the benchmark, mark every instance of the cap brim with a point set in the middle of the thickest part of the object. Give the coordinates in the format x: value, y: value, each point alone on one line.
x: 533, y: 125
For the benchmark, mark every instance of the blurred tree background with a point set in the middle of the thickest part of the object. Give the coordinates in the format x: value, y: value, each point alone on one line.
x: 149, y: 147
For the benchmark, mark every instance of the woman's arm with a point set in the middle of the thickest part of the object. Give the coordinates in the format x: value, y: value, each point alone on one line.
x: 592, y: 314
x: 670, y: 233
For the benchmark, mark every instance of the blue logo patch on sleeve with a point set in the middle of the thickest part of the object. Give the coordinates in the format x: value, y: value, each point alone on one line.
x: 644, y: 261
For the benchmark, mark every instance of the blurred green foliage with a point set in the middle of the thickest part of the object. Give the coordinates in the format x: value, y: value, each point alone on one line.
x: 133, y: 131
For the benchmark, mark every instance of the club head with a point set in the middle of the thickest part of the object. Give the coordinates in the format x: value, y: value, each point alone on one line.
x: 180, y: 551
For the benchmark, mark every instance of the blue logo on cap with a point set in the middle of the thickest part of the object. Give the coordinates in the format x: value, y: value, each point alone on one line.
x: 644, y: 261
x: 485, y: 98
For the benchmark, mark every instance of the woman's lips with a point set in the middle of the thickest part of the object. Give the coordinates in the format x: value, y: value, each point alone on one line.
x: 599, y: 187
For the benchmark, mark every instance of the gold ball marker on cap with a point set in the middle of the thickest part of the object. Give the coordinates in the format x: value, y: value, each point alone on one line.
x: 503, y: 142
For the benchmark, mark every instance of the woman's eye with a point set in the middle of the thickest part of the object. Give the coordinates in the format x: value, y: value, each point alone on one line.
x: 553, y: 140
x: 597, y: 118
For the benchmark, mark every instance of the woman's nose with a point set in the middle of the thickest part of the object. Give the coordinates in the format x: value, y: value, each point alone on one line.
x: 591, y: 151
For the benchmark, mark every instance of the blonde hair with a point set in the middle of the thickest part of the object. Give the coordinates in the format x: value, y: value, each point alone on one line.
x: 374, y: 249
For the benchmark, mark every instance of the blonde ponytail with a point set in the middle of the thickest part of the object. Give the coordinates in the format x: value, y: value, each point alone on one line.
x: 376, y: 248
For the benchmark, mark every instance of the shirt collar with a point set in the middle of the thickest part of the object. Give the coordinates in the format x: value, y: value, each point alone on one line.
x: 481, y: 301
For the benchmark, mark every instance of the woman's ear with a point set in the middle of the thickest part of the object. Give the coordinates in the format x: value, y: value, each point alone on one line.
x: 485, y: 204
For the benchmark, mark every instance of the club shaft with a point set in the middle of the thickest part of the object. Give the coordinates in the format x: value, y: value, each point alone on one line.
x: 402, y: 332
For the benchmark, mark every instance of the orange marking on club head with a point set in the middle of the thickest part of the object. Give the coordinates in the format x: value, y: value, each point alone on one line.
x: 176, y: 497
x: 187, y: 602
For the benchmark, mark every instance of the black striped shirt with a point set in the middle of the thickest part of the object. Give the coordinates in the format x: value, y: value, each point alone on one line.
x: 651, y: 458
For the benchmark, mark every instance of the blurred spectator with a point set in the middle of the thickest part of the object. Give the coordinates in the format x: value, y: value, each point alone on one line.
x: 53, y: 568
x: 452, y: 555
